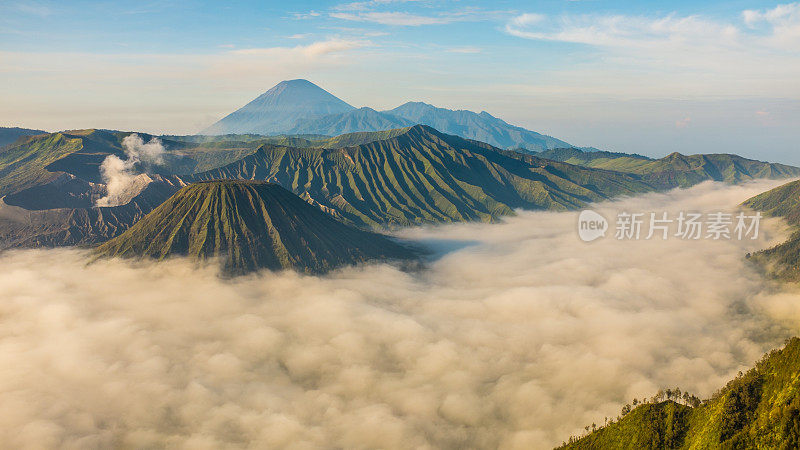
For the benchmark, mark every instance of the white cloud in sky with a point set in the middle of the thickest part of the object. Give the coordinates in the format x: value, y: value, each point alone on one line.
x: 676, y: 55
x: 623, y: 31
x: 666, y: 32
x: 313, y: 50
x: 783, y: 21
x: 467, y: 50
x: 34, y: 8
x: 369, y: 4
x: 524, y: 20
x: 396, y: 18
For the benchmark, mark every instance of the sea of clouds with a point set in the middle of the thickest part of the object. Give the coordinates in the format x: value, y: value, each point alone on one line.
x: 517, y: 335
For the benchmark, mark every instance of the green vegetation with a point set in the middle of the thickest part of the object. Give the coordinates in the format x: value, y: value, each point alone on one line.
x: 250, y: 225
x: 418, y: 175
x: 758, y: 409
x: 622, y: 162
x: 783, y: 201
x: 365, y: 137
x: 783, y: 260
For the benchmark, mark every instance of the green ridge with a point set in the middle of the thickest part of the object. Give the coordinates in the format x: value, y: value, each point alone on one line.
x: 676, y: 170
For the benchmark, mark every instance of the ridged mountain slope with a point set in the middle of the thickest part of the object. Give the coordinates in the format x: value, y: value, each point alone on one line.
x: 423, y: 176
x: 250, y: 225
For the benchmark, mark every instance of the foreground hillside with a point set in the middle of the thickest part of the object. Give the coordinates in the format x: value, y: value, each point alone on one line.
x: 758, y: 409
x: 250, y: 225
x: 422, y: 176
x: 783, y: 260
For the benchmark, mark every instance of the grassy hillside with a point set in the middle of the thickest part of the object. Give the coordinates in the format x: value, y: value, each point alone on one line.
x: 622, y: 162
x: 758, y: 409
x: 783, y: 201
x: 783, y: 260
x: 250, y: 225
x: 423, y: 176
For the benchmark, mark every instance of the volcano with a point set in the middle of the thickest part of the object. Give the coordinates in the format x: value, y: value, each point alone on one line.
x: 251, y: 225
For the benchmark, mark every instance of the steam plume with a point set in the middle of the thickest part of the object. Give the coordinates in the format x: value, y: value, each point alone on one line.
x: 120, y: 176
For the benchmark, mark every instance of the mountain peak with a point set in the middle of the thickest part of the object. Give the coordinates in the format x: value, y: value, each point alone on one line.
x: 250, y: 225
x: 297, y: 82
x: 280, y: 108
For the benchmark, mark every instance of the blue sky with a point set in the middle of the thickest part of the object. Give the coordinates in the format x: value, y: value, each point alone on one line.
x: 648, y: 77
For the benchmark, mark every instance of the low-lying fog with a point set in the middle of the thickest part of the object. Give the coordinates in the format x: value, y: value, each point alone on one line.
x: 516, y: 338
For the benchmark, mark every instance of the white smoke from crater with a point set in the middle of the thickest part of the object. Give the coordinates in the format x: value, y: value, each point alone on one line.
x: 122, y: 177
x: 517, y: 337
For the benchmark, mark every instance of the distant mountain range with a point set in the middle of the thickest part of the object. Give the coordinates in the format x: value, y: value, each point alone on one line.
x: 250, y: 225
x: 676, y: 170
x: 301, y: 107
x: 478, y: 126
x: 757, y: 409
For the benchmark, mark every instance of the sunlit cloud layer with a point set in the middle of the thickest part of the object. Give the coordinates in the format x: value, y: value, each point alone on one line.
x: 517, y: 336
